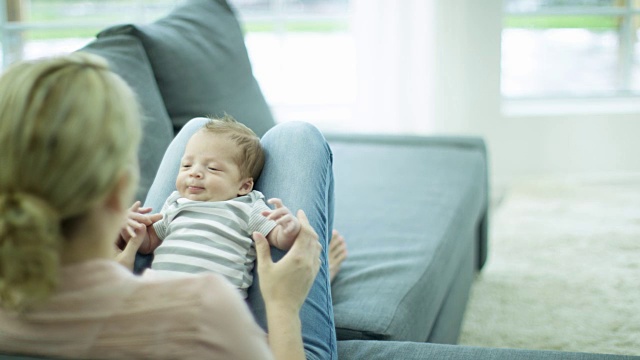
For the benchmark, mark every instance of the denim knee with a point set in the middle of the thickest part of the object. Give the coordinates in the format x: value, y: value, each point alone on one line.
x: 299, y: 134
x: 194, y: 125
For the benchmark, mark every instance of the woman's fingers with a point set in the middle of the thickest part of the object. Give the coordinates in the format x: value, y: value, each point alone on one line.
x: 128, y: 255
x: 134, y: 223
x: 131, y: 231
x: 307, y: 243
x: 263, y: 251
x: 304, y: 223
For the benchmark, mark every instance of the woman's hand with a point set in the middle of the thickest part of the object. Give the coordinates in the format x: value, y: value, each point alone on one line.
x: 127, y: 256
x: 285, y: 285
x: 288, y: 281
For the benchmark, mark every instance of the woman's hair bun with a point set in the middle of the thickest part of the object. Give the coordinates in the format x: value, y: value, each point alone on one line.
x: 30, y: 238
x: 25, y: 212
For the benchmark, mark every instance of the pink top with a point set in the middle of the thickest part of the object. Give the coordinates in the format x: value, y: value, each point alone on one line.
x: 103, y: 311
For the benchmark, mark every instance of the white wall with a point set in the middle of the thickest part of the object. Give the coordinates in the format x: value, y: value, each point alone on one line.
x: 522, y: 146
x: 530, y: 146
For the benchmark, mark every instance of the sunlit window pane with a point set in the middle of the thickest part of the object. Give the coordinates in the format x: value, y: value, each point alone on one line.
x: 301, y: 50
x: 551, y: 56
x: 512, y: 6
x: 562, y: 48
x: 302, y: 54
x: 635, y: 78
x: 36, y: 28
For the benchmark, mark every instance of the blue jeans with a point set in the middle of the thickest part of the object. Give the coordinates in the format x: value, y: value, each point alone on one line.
x: 298, y: 170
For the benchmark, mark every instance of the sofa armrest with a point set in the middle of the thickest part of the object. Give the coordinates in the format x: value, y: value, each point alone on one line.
x: 414, y: 351
x: 413, y: 209
x: 461, y: 142
x: 455, y: 141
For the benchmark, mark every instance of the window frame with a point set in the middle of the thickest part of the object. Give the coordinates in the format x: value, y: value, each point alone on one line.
x: 623, y: 101
x: 8, y: 28
x: 278, y: 14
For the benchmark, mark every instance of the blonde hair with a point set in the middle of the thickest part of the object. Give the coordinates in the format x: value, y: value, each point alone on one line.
x: 250, y: 157
x: 69, y: 129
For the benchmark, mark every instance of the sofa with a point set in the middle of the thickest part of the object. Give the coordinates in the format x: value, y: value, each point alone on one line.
x: 414, y: 209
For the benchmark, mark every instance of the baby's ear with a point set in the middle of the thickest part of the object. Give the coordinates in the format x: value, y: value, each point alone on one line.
x: 246, y: 186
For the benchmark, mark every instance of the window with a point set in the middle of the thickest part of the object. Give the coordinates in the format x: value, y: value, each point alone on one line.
x: 36, y: 28
x: 570, y: 48
x: 301, y: 50
x: 303, y: 56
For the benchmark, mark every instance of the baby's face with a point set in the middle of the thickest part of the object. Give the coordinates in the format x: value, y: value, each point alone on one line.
x: 208, y: 171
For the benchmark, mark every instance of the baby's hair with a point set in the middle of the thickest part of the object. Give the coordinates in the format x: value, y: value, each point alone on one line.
x: 250, y: 158
x: 69, y: 129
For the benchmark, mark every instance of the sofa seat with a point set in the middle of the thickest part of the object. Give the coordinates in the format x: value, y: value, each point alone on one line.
x: 411, y: 209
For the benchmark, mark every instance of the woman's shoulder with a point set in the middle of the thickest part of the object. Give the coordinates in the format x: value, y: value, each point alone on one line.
x: 104, y: 309
x: 146, y: 292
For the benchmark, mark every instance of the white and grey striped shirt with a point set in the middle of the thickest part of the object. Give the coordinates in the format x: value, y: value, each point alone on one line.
x: 200, y: 236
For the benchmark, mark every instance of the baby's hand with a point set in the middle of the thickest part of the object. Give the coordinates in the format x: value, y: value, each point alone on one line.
x: 138, y: 220
x: 288, y: 226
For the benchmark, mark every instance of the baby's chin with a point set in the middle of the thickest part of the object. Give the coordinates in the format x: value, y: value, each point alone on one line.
x: 199, y: 197
x: 194, y: 197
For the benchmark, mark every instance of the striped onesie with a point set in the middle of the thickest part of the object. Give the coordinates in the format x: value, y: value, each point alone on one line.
x: 202, y: 236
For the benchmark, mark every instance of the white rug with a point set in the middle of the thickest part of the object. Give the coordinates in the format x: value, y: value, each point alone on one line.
x: 563, y: 271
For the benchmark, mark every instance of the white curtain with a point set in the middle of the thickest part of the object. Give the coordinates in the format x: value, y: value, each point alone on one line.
x: 394, y: 55
x: 417, y: 63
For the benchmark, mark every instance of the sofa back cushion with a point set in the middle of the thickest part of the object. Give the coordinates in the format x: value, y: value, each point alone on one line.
x: 127, y: 58
x: 201, y: 65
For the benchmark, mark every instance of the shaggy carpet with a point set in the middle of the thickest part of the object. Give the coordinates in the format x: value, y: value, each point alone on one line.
x: 563, y: 271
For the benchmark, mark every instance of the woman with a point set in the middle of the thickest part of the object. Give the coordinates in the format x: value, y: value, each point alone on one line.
x: 69, y: 133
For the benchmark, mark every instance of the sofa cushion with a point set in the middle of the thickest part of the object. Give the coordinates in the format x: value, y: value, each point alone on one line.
x: 420, y: 204
x: 127, y: 57
x: 201, y: 64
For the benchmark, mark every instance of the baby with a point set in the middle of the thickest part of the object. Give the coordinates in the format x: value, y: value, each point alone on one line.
x: 209, y: 221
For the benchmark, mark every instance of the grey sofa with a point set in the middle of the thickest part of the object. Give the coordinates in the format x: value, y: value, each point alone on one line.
x: 414, y: 209
x: 413, y: 254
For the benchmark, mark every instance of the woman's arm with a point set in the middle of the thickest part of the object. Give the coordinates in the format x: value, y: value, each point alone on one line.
x: 285, y: 286
x: 126, y: 256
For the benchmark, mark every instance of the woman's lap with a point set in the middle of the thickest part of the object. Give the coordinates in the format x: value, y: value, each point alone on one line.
x: 298, y: 170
